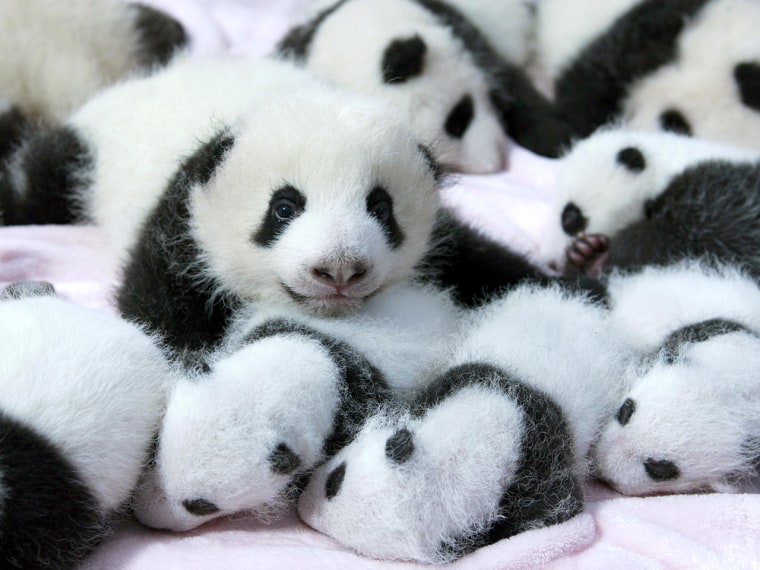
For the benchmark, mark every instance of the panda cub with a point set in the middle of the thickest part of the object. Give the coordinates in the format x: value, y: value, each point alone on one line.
x: 495, y: 445
x: 689, y: 422
x: 628, y: 199
x: 686, y: 66
x: 427, y: 59
x: 284, y: 393
x: 54, y: 56
x: 78, y: 414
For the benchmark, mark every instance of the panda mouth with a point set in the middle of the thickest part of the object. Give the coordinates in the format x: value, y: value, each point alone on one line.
x: 336, y: 301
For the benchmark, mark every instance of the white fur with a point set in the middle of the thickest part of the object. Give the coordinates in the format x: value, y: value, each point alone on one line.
x: 54, y: 55
x: 611, y: 196
x: 467, y: 448
x: 90, y: 383
x: 348, y: 49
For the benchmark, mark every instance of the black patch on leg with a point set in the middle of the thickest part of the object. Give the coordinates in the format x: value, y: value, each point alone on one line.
x: 160, y: 35
x: 159, y: 288
x: 403, y: 60
x: 297, y: 42
x: 25, y: 289
x: 283, y: 460
x: 48, y: 517
x: 661, y: 470
x: 13, y: 126
x: 747, y: 77
x: 400, y: 446
x: 673, y: 121
x: 694, y: 333
x: 632, y: 158
x: 200, y: 507
x: 44, y: 180
x: 335, y: 481
x: 380, y: 207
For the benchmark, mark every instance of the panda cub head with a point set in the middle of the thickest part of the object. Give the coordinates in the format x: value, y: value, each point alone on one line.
x: 320, y: 199
x: 398, y: 50
x: 610, y: 180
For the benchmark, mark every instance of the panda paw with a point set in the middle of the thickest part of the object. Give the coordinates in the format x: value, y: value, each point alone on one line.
x: 588, y: 254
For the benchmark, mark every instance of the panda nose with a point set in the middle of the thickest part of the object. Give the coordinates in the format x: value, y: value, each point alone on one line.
x: 339, y: 275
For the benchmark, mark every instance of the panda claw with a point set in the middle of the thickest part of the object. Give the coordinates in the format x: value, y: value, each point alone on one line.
x: 588, y: 254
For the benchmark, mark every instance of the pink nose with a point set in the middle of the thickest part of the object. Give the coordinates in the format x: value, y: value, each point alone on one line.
x: 340, y: 275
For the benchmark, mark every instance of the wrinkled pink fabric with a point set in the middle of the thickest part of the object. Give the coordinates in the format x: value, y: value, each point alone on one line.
x: 688, y: 531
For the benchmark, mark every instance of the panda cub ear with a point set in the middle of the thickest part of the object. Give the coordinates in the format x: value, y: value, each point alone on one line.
x: 403, y: 59
x: 747, y: 76
x: 201, y: 165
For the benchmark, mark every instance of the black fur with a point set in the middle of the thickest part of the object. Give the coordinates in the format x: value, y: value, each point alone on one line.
x: 711, y: 210
x: 400, y: 446
x: 200, y: 507
x: 283, y: 459
x: 544, y: 490
x: 747, y: 77
x: 380, y: 207
x: 476, y: 268
x: 460, y: 117
x: 48, y: 517
x: 403, y: 60
x: 335, y: 481
x: 573, y: 220
x: 632, y: 158
x: 13, y: 125
x: 39, y: 182
x: 362, y: 386
x: 160, y: 35
x: 672, y: 120
x: 286, y: 204
x: 297, y: 42
x: 625, y: 412
x: 160, y: 288
x: 661, y: 470
x: 694, y: 333
x: 526, y: 115
x: 433, y: 164
x: 590, y: 91
x: 24, y: 289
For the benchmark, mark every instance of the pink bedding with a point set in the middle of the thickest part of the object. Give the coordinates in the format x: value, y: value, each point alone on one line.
x: 688, y: 531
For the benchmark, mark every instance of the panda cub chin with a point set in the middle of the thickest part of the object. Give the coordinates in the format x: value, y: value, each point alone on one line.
x: 628, y: 199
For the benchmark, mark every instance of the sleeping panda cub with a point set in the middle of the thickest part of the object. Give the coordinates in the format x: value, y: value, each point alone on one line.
x: 427, y: 59
x: 78, y: 415
x: 689, y: 422
x: 496, y: 444
x: 627, y: 199
x: 54, y: 56
x: 686, y: 66
x: 285, y: 392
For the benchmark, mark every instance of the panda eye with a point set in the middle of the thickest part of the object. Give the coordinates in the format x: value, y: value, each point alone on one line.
x: 573, y: 220
x: 284, y: 209
x: 379, y: 205
x: 460, y: 117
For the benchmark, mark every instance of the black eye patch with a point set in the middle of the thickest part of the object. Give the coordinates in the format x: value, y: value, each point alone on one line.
x: 661, y: 470
x: 400, y: 446
x: 460, y: 117
x: 283, y: 460
x: 380, y: 207
x: 285, y: 205
x: 673, y: 121
x: 625, y: 411
x: 200, y: 507
x: 632, y: 158
x: 573, y: 220
x: 403, y: 59
x: 335, y: 481
x: 747, y: 77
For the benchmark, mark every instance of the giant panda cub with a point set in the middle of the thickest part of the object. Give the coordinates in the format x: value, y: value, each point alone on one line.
x: 283, y: 393
x: 687, y: 66
x: 627, y: 199
x: 54, y: 55
x: 495, y: 445
x: 689, y: 422
x: 428, y: 59
x: 78, y: 415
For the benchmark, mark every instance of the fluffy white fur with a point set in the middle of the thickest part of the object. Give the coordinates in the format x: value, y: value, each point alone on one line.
x: 92, y: 384
x: 611, y: 196
x: 348, y: 49
x: 54, y: 55
x: 699, y: 412
x: 219, y: 430
x: 467, y: 448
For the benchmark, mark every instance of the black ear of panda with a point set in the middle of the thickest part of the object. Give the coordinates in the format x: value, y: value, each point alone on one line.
x: 160, y: 35
x: 403, y: 59
x: 747, y: 77
x: 201, y: 166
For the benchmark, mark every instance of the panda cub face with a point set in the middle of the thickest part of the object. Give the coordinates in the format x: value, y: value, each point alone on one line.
x: 397, y: 50
x: 325, y: 200
x: 688, y: 423
x: 608, y: 181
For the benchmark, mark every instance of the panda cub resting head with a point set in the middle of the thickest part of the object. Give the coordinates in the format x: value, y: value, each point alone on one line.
x: 628, y: 199
x: 689, y: 422
x: 78, y: 414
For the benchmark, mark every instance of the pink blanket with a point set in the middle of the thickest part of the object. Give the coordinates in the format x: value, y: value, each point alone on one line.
x: 688, y: 531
